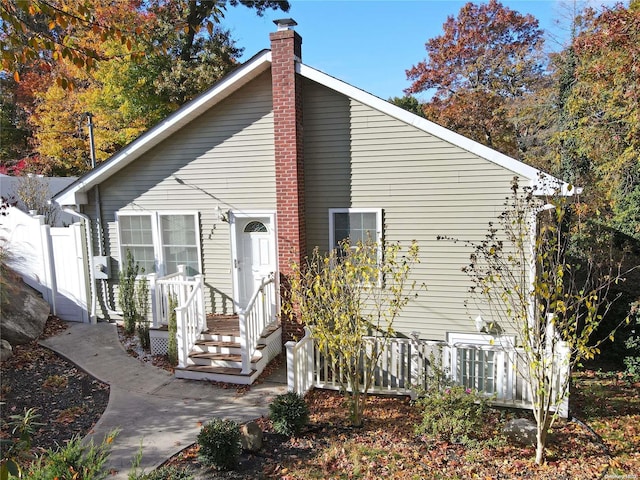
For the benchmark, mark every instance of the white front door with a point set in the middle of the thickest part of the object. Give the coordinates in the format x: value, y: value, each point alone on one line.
x: 254, y: 255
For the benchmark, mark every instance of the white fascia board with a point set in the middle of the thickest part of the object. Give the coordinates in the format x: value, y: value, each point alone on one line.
x: 543, y: 183
x: 165, y: 128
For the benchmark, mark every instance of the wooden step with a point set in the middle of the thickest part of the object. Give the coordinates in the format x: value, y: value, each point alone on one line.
x: 231, y: 357
x: 216, y: 374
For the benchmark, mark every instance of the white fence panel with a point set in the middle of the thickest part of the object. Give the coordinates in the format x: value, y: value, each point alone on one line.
x: 71, y: 280
x: 50, y: 260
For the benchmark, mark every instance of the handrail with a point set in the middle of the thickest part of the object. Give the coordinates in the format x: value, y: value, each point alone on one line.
x: 190, y: 318
x: 253, y: 319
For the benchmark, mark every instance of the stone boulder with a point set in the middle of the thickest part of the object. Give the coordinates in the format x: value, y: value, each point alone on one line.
x: 251, y: 437
x: 6, y: 351
x: 520, y: 431
x: 24, y: 313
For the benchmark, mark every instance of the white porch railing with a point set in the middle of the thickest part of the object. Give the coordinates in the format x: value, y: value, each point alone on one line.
x: 255, y: 318
x: 406, y: 365
x: 190, y: 310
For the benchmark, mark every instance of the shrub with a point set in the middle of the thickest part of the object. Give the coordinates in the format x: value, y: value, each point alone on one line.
x: 172, y: 347
x: 220, y: 445
x: 632, y: 360
x: 289, y: 413
x: 74, y: 460
x: 454, y: 414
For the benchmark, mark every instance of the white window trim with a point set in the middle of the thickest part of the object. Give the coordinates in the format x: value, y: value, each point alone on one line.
x: 156, y: 235
x: 379, y: 227
x: 377, y: 211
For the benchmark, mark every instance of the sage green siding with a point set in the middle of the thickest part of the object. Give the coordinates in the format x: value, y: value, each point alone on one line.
x: 223, y: 158
x: 356, y: 156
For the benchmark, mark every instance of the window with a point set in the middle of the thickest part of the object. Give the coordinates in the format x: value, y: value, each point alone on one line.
x: 160, y: 242
x: 137, y: 237
x: 356, y: 224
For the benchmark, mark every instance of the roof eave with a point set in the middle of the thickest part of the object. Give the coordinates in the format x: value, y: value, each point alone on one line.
x: 542, y: 183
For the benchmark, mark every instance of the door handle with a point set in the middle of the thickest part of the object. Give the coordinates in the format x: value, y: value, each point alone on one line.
x: 235, y: 263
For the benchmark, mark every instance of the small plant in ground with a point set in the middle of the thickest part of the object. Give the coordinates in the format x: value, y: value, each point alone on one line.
x: 133, y: 296
x: 220, y: 445
x: 16, y: 451
x: 454, y: 414
x: 142, y: 312
x: 632, y: 360
x: 172, y: 347
x: 289, y: 413
x: 165, y: 473
x: 73, y: 461
x: 55, y: 382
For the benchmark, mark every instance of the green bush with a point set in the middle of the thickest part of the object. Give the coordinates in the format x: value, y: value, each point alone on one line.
x: 74, y: 460
x: 220, y: 445
x: 454, y: 414
x: 289, y: 413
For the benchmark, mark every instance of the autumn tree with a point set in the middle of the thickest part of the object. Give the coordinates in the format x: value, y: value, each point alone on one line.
x: 488, y: 57
x: 350, y: 298
x: 130, y: 63
x: 599, y: 138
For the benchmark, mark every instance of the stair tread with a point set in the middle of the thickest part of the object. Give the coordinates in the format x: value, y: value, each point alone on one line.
x: 218, y: 370
x: 221, y: 343
x: 233, y: 357
x: 218, y: 343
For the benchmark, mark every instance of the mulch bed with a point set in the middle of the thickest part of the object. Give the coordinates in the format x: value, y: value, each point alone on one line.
x: 387, y: 447
x: 67, y: 401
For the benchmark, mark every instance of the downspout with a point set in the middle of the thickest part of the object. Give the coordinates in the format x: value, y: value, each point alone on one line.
x: 100, y: 235
x: 100, y: 231
x: 92, y: 280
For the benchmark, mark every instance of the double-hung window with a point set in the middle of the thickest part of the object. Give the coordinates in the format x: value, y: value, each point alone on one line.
x: 161, y: 241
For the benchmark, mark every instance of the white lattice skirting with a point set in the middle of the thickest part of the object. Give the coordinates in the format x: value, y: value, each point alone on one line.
x: 159, y: 342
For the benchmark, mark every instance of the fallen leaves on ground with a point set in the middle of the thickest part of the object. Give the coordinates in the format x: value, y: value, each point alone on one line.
x: 386, y: 447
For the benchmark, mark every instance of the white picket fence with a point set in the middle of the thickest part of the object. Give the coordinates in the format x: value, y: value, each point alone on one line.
x: 50, y: 260
x: 406, y: 365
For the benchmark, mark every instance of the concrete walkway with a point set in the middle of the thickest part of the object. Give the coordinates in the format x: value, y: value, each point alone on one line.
x: 149, y: 406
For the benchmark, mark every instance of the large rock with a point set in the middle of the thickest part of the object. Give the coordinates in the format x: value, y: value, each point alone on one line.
x: 5, y: 350
x: 520, y: 431
x: 24, y: 314
x: 251, y: 437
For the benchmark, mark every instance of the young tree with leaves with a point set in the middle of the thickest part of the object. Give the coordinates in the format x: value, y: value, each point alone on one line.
x: 350, y: 298
x: 552, y: 302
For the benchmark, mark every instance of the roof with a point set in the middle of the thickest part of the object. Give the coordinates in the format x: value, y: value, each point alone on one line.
x: 76, y: 193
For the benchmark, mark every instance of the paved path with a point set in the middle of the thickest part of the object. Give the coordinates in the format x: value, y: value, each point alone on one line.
x: 149, y: 406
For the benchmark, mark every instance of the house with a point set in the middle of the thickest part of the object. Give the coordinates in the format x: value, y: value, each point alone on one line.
x: 273, y: 160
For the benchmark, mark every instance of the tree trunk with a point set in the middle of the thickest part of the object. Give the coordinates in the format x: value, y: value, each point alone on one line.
x: 541, y: 441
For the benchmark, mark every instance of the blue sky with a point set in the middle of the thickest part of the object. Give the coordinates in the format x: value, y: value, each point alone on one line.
x: 370, y: 43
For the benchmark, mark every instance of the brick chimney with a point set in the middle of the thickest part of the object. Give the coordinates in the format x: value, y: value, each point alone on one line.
x: 286, y: 51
